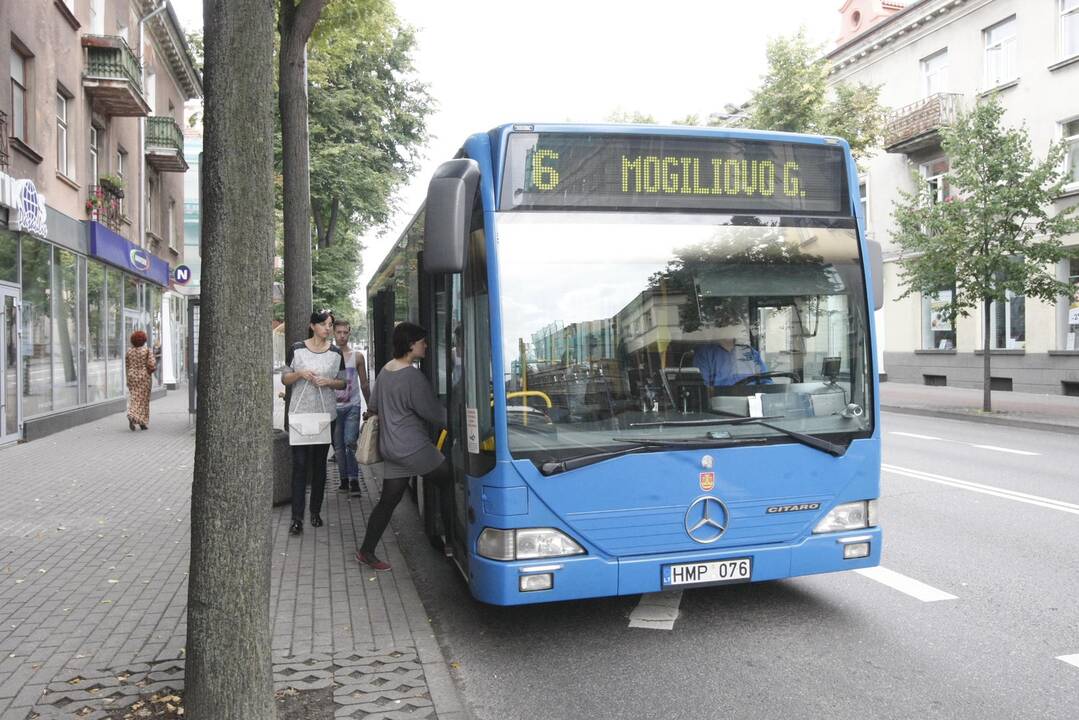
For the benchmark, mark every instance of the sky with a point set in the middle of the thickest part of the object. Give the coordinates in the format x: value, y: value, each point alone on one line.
x: 489, y: 62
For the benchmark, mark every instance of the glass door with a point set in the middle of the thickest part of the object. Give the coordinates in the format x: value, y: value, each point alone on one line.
x: 9, y: 365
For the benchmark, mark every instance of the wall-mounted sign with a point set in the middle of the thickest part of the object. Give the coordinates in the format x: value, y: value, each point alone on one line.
x: 115, y: 250
x: 181, y: 275
x: 29, y: 205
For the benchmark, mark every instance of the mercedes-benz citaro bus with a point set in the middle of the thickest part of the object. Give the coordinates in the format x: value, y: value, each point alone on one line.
x: 655, y: 348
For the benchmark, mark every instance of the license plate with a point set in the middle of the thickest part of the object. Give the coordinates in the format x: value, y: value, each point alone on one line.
x: 715, y: 572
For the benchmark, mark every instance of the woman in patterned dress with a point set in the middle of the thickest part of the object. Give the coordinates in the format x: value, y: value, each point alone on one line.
x: 140, y: 366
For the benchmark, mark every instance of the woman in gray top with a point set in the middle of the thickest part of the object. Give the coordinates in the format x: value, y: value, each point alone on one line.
x: 404, y: 402
x: 316, y: 368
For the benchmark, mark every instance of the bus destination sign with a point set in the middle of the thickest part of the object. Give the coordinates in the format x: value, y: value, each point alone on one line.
x: 562, y: 171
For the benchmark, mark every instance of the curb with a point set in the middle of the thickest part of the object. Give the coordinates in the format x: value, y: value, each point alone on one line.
x: 989, y: 420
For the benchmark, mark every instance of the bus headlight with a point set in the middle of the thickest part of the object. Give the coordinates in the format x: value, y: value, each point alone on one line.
x: 526, y: 544
x: 849, y: 516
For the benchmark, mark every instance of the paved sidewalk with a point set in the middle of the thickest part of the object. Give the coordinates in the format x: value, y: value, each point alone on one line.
x: 94, y: 541
x: 1054, y: 413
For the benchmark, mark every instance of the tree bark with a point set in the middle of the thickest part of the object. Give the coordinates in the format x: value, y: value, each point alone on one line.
x: 295, y: 24
x: 228, y: 669
x: 987, y: 393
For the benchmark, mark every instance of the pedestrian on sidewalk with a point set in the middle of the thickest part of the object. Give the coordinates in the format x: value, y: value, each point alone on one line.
x: 317, y: 368
x: 346, y: 428
x: 404, y: 402
x: 139, y: 367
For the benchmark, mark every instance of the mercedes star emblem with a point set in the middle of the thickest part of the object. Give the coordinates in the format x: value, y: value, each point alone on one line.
x: 706, y: 519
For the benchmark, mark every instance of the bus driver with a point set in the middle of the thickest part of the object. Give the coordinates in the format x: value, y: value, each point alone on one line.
x: 731, y: 359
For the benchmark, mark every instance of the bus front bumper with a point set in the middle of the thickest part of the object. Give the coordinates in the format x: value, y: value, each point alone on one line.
x: 590, y: 576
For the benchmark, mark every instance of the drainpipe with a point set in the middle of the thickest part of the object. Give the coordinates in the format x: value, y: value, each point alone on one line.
x: 143, y: 185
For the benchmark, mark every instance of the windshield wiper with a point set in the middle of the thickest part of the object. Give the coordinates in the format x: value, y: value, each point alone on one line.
x: 641, y: 444
x: 736, y: 420
x: 810, y: 440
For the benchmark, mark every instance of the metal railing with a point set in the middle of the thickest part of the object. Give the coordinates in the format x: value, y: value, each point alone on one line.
x: 918, y: 120
x: 162, y: 131
x: 104, y: 205
x: 110, y: 57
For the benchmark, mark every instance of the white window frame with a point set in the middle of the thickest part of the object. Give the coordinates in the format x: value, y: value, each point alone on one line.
x: 61, y: 135
x: 170, y: 224
x: 121, y: 162
x: 97, y: 17
x: 940, y: 74
x: 938, y: 181
x: 1073, y: 307
x: 1068, y: 13
x: 1007, y: 48
x: 1018, y: 345
x: 1072, y: 141
x: 863, y: 200
x: 95, y: 154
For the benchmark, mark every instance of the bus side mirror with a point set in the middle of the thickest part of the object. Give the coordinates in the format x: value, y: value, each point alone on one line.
x: 876, y: 272
x: 448, y: 214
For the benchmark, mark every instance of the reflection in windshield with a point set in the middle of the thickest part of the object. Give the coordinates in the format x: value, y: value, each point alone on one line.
x: 617, y: 321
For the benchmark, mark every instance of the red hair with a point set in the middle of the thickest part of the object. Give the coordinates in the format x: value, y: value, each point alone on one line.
x: 138, y: 338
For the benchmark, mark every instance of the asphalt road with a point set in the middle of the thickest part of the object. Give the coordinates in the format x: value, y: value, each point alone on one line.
x: 981, y: 529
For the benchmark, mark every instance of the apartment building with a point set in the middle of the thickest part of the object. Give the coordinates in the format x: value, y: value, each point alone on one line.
x: 932, y: 59
x: 91, y: 203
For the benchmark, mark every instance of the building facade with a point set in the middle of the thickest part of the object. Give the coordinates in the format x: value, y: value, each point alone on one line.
x: 91, y: 202
x: 932, y: 59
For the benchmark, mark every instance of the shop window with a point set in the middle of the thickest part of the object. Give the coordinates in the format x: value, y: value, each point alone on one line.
x: 9, y: 257
x: 96, y: 332
x: 65, y: 330
x: 1007, y: 323
x: 938, y: 328
x: 36, y: 347
x: 114, y: 336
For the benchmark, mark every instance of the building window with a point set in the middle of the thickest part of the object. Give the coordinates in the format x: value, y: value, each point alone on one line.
x: 121, y: 168
x: 19, y: 99
x: 1071, y: 340
x: 935, y: 73
x: 1000, y: 54
x: 61, y: 134
x: 97, y: 17
x: 95, y: 139
x: 151, y: 189
x: 938, y: 329
x: 1070, y: 133
x: 935, y: 173
x: 1069, y: 28
x: 1007, y: 323
x: 863, y: 199
x: 170, y: 224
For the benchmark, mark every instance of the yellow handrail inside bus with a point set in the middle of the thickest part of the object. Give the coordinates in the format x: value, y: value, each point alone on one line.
x: 531, y: 393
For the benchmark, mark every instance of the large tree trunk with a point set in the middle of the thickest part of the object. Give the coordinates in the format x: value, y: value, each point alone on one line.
x: 987, y: 393
x: 295, y: 25
x: 229, y: 672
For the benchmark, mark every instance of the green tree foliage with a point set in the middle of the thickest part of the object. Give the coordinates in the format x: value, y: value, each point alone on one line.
x: 367, y: 121
x: 997, y: 231
x: 793, y: 97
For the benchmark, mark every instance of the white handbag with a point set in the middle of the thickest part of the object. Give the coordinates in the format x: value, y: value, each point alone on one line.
x: 309, y: 428
x: 367, y: 449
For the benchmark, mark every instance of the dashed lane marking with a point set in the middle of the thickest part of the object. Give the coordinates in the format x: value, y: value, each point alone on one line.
x: 914, y: 435
x: 996, y: 448
x: 985, y: 489
x: 907, y: 585
x: 656, y: 611
x: 1070, y: 659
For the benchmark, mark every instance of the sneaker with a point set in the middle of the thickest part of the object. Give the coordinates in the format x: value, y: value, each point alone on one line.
x: 343, y: 487
x: 296, y: 528
x: 371, y: 561
x: 354, y: 487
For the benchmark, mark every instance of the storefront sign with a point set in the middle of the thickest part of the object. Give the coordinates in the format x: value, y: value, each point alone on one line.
x: 115, y: 250
x: 181, y: 275
x: 29, y: 206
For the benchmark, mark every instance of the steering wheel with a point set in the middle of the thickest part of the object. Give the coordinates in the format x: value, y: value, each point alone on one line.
x: 764, y: 376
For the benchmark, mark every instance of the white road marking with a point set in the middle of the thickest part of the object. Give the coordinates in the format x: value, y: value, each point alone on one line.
x: 985, y: 489
x: 902, y: 583
x: 1005, y: 450
x: 1070, y: 659
x: 656, y: 611
x: 914, y: 435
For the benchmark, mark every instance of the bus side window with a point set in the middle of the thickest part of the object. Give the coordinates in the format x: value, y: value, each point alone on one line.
x: 477, y: 341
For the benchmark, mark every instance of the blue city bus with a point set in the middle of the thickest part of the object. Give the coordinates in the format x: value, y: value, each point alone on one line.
x: 655, y: 348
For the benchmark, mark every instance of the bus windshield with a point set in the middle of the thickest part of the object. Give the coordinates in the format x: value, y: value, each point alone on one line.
x: 624, y: 327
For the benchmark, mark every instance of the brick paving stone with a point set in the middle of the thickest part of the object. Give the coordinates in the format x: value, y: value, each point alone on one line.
x: 94, y: 552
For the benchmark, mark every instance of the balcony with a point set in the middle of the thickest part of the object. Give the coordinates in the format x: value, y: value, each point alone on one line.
x: 165, y: 145
x: 103, y: 205
x: 917, y: 126
x: 113, y: 77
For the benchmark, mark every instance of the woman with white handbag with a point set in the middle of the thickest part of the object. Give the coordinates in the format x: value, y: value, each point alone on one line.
x: 315, y: 368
